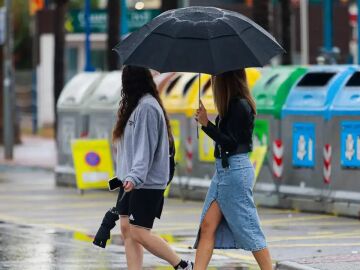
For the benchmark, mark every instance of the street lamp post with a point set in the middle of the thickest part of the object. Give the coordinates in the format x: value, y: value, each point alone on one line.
x: 328, y: 26
x: 8, y: 84
x: 304, y: 24
x: 88, y: 67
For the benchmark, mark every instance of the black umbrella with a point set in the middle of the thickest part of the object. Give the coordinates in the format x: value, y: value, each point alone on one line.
x: 199, y: 39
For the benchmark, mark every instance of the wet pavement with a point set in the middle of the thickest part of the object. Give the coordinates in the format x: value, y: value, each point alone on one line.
x: 49, y: 227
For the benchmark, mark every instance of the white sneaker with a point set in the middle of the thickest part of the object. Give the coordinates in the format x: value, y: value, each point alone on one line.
x: 190, y: 266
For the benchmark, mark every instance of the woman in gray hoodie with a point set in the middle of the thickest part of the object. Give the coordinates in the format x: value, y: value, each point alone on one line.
x: 142, y: 134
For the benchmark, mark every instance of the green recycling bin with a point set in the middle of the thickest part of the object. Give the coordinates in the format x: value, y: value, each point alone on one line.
x: 270, y: 93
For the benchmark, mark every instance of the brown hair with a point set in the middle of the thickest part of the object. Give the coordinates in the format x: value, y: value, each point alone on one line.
x: 136, y: 82
x: 228, y: 85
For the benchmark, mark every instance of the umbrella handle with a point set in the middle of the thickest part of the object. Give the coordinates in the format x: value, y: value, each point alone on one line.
x: 197, y: 126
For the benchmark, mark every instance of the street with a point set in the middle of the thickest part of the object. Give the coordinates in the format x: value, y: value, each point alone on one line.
x: 48, y: 227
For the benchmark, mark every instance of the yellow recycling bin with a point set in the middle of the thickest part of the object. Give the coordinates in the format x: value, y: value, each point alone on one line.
x: 175, y: 96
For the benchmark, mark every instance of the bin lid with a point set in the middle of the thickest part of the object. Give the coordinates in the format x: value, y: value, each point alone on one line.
x: 271, y: 91
x: 314, y: 92
x: 107, y: 93
x: 174, y: 95
x: 78, y: 89
x: 252, y: 75
x: 347, y: 100
x: 162, y: 80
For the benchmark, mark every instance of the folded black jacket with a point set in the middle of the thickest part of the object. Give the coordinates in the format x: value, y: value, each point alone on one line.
x: 233, y: 133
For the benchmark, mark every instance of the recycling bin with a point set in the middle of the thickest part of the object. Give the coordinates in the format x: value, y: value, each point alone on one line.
x: 102, y: 106
x: 163, y: 79
x: 270, y: 93
x: 202, y: 147
x: 174, y: 97
x: 344, y: 135
x: 72, y: 121
x: 303, y: 128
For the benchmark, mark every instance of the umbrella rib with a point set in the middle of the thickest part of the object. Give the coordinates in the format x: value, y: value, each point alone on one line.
x: 151, y: 31
x: 239, y: 35
x: 168, y: 53
x: 194, y: 38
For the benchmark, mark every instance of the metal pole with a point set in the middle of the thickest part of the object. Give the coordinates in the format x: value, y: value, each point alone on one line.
x: 304, y: 24
x: 328, y: 25
x: 186, y: 3
x: 8, y: 85
x: 88, y: 66
x: 124, y: 27
x: 358, y: 31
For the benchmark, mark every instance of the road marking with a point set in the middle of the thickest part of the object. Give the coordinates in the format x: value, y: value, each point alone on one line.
x: 352, y: 235
x: 314, y: 245
x: 292, y: 219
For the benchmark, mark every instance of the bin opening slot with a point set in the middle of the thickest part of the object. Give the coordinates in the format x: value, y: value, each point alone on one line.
x: 354, y: 80
x: 188, y: 84
x: 316, y: 79
x: 206, y: 87
x: 172, y: 84
x: 271, y: 80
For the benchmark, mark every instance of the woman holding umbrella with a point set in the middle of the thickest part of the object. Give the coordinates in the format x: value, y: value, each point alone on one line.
x: 229, y: 219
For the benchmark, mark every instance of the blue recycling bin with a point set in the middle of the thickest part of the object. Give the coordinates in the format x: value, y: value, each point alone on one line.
x: 304, y: 126
x: 344, y: 119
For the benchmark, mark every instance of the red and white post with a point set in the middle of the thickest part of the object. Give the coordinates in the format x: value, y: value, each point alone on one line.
x: 278, y: 154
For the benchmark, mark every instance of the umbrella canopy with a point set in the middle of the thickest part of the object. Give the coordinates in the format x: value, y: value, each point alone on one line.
x: 199, y: 39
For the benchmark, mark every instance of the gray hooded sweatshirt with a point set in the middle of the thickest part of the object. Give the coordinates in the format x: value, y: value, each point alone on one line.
x: 143, y: 150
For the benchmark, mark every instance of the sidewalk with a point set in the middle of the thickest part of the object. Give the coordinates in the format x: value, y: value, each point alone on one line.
x: 35, y: 152
x: 29, y: 196
x: 333, y: 262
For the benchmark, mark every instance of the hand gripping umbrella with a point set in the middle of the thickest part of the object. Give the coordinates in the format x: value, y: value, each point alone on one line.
x: 199, y: 39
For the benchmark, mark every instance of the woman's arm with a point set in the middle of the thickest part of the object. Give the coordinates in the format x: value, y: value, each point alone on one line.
x: 238, y: 114
x: 219, y: 137
x: 146, y: 134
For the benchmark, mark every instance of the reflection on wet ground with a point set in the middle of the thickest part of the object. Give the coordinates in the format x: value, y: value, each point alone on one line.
x: 25, y: 247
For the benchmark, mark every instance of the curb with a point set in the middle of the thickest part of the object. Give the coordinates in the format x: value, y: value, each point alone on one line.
x: 288, y: 265
x: 17, y: 167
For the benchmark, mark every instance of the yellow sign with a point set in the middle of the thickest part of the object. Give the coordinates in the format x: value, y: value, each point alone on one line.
x: 206, y: 148
x: 93, y: 163
x: 175, y: 128
x: 257, y: 157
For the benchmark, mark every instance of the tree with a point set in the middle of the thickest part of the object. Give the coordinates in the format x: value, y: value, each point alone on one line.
x: 286, y: 30
x: 59, y: 65
x: 261, y: 13
x: 79, y: 4
x: 168, y: 4
x: 113, y: 32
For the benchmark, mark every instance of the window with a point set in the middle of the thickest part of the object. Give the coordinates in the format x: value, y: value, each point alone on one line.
x: 354, y: 80
x: 316, y: 79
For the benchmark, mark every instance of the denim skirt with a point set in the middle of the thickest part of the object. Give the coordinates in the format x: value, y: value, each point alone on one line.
x: 232, y: 189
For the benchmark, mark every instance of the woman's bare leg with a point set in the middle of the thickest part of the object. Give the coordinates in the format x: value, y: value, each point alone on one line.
x: 208, y: 228
x: 263, y: 258
x: 133, y: 250
x: 154, y: 244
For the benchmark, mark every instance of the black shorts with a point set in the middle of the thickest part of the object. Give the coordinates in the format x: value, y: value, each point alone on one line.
x: 142, y: 206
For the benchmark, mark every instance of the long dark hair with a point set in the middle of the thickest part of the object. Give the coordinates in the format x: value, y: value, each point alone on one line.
x: 228, y: 85
x: 136, y: 82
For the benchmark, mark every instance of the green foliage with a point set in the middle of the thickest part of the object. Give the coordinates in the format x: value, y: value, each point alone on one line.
x: 79, y: 4
x: 21, y: 34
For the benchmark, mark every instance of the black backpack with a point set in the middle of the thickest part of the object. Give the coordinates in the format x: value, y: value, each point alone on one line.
x: 172, y: 162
